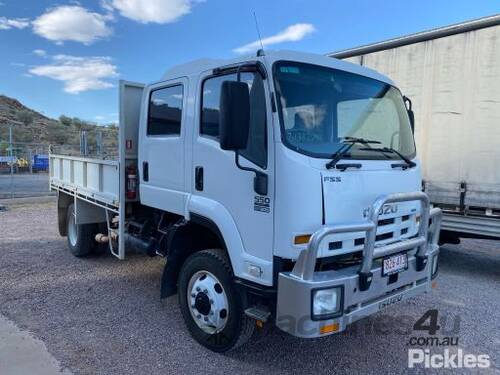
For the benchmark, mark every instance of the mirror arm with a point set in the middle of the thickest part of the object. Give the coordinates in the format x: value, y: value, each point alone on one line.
x: 260, y: 180
x: 243, y: 168
x: 409, y: 110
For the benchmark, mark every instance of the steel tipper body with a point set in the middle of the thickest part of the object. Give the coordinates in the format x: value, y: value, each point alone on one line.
x: 282, y: 187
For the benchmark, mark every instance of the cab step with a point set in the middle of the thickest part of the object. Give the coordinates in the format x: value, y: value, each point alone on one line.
x: 258, y: 313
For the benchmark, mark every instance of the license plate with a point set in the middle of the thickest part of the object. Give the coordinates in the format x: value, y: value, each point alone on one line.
x: 394, y: 264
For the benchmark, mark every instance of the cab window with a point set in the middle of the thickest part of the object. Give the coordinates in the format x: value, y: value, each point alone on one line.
x: 165, y: 111
x: 256, y: 150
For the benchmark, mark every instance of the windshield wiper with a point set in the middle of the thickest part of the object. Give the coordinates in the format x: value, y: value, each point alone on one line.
x: 409, y: 163
x: 348, y: 142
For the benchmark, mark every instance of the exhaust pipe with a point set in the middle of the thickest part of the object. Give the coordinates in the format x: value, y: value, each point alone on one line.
x: 102, y: 238
x: 140, y: 245
x: 131, y: 242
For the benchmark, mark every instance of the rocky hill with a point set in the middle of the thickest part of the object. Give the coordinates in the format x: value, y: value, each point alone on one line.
x: 30, y: 126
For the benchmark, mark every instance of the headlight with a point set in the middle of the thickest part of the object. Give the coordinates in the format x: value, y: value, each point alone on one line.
x: 434, y: 265
x: 326, y: 303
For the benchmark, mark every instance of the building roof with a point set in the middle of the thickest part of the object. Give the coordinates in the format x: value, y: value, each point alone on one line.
x: 423, y: 36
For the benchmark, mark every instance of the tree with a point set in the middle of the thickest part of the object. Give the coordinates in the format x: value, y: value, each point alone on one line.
x: 20, y: 134
x: 57, y: 134
x: 26, y: 117
x: 79, y: 124
x: 65, y: 120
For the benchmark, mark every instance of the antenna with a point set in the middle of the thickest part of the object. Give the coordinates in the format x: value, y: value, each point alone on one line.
x: 258, y: 34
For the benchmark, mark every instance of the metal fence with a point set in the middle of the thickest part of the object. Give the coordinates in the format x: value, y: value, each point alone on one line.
x: 24, y: 166
x: 24, y: 170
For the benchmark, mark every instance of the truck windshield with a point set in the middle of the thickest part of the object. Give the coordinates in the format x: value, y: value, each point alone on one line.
x: 320, y: 106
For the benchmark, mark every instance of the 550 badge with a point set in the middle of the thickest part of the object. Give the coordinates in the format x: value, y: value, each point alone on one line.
x: 262, y: 204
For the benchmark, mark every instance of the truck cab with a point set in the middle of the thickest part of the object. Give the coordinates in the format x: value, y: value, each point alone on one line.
x: 282, y: 188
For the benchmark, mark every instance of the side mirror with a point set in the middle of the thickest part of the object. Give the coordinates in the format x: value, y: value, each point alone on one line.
x: 234, y: 121
x: 411, y: 115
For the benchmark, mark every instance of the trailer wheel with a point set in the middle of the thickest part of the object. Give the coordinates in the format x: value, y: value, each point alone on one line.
x: 209, y: 303
x: 80, y: 236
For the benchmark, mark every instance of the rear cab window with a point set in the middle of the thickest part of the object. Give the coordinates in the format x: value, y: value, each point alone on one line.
x: 165, y: 111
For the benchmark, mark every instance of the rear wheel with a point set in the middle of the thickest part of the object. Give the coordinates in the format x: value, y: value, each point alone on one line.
x: 210, y: 305
x: 80, y: 236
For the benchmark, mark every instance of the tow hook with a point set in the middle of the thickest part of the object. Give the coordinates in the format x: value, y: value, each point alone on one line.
x: 421, y: 262
x: 365, y: 280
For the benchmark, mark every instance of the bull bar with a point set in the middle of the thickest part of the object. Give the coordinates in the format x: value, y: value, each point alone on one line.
x: 364, y: 290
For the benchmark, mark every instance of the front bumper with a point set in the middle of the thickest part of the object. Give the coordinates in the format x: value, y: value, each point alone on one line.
x: 364, y: 290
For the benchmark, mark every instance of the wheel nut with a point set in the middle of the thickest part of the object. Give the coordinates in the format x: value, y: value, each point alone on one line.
x: 198, y: 316
x: 206, y: 319
x: 211, y: 301
x: 193, y: 295
x: 205, y: 291
x: 198, y: 289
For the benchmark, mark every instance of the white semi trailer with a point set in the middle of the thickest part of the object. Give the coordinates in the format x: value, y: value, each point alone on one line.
x: 452, y: 76
x: 281, y: 188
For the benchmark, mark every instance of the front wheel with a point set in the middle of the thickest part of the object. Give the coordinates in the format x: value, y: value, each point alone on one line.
x: 210, y: 305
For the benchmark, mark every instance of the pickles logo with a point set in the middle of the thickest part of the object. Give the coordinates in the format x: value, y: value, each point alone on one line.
x: 448, y: 359
x: 451, y: 356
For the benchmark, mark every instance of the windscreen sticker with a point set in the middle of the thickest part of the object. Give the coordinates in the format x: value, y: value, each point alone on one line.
x: 290, y: 69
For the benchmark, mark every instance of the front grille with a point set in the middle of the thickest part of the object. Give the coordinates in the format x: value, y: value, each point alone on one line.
x: 359, y: 241
x: 335, y: 245
x: 381, y: 223
x: 389, y: 230
x: 385, y: 236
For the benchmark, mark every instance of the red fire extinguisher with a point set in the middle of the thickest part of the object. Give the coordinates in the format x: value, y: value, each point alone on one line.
x: 131, y: 173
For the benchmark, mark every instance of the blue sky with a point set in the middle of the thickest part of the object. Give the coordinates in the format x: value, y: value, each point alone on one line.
x: 65, y: 57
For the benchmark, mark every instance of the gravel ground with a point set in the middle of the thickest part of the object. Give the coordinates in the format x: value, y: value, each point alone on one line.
x: 104, y: 316
x: 24, y: 185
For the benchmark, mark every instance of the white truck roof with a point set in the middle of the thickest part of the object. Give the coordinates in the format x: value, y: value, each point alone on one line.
x: 197, y: 66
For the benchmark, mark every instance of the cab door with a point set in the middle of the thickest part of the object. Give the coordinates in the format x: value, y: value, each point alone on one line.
x: 225, y: 182
x: 162, y: 154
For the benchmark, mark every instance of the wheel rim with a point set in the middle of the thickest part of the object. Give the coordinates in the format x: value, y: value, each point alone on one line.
x: 72, y: 232
x: 207, y: 302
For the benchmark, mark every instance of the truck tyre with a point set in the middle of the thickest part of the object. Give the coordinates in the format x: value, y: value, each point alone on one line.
x: 80, y: 236
x: 210, y: 305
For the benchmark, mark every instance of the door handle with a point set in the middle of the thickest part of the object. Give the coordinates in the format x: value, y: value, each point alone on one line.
x: 198, y: 177
x: 145, y: 171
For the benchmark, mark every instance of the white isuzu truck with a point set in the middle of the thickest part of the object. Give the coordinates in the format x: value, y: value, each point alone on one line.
x: 280, y: 188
